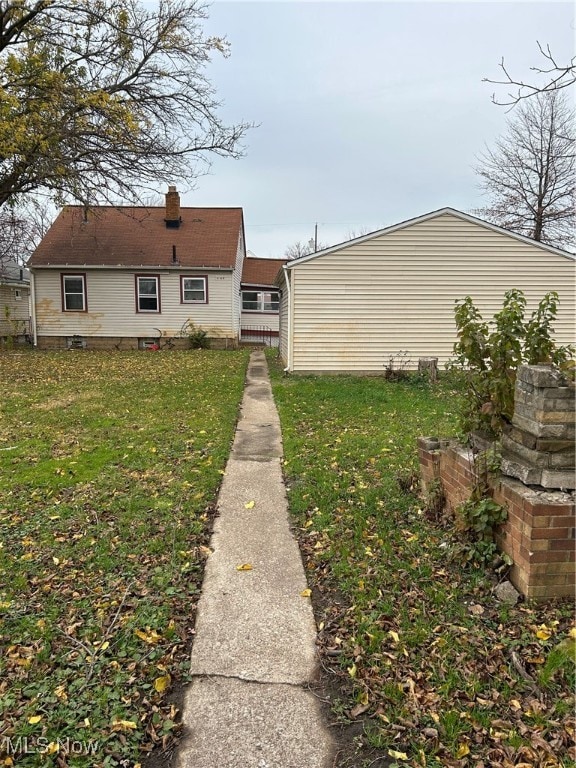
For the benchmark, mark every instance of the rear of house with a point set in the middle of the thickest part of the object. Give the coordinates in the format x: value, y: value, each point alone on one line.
x: 260, y: 300
x: 352, y: 307
x: 130, y: 277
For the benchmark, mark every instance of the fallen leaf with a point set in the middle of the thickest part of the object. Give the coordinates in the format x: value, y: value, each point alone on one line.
x: 244, y: 567
x: 543, y: 632
x: 394, y: 635
x: 358, y: 710
x: 306, y: 593
x: 249, y: 504
x: 476, y: 610
x: 149, y: 636
x: 397, y: 755
x: 161, y: 683
x: 124, y: 725
x: 34, y: 719
x: 352, y: 670
x: 463, y: 750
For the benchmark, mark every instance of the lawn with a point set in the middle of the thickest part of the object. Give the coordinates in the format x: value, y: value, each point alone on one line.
x: 109, y: 468
x: 421, y: 665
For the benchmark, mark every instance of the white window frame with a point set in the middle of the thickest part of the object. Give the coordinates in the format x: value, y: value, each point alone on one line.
x: 139, y: 295
x: 66, y: 293
x: 183, y: 289
x: 260, y: 301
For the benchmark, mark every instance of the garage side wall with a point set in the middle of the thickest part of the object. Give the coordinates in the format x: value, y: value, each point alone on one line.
x: 355, y: 307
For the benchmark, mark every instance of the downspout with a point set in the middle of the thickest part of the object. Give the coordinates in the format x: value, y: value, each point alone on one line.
x: 33, y: 307
x: 289, y: 350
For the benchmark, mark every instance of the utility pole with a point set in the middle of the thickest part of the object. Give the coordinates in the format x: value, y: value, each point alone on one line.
x: 315, y: 237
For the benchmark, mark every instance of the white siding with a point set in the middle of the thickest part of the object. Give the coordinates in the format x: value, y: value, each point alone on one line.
x: 112, y: 305
x: 267, y: 320
x: 358, y: 305
x: 283, y: 318
x: 235, y: 298
x: 14, y: 312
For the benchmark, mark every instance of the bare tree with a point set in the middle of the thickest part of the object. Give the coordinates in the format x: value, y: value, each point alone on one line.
x: 22, y: 228
x: 556, y: 76
x: 298, y: 249
x: 106, y: 99
x: 530, y: 175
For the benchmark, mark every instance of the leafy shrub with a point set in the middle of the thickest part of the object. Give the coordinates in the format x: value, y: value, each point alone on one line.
x: 489, y: 355
x: 197, y: 336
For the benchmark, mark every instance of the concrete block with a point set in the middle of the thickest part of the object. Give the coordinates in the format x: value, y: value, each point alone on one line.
x: 540, y: 375
x: 428, y: 443
x: 555, y: 431
x: 552, y: 478
x: 559, y: 393
x: 520, y: 470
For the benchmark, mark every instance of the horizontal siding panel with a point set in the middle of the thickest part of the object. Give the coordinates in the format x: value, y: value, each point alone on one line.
x: 356, y: 306
x: 112, y: 306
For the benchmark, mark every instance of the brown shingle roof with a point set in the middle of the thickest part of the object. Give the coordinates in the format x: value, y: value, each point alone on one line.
x: 261, y: 271
x: 138, y: 237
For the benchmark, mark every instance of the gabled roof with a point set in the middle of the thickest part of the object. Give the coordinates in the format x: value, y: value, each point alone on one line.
x: 427, y: 217
x: 261, y: 272
x: 139, y: 237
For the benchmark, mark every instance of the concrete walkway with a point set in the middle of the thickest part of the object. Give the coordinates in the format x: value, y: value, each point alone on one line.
x: 254, y: 646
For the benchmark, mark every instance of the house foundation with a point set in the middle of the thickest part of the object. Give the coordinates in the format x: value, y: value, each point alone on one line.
x: 126, y: 343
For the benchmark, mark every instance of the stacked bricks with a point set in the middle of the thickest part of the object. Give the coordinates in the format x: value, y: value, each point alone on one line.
x: 539, y: 532
x: 539, y: 447
x: 539, y: 537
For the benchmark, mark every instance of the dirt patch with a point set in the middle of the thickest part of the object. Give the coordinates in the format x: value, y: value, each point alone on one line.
x: 63, y: 402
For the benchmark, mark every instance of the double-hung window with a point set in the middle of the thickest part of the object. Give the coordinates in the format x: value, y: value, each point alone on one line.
x: 260, y: 301
x: 147, y: 293
x: 194, y: 290
x: 74, y: 293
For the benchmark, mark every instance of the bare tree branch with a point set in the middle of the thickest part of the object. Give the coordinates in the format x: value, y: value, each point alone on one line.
x: 557, y: 77
x: 530, y: 174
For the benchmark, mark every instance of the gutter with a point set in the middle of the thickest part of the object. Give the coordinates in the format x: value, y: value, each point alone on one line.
x: 135, y: 267
x: 33, y: 307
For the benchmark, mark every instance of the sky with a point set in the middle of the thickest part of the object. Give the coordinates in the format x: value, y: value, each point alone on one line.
x: 366, y: 113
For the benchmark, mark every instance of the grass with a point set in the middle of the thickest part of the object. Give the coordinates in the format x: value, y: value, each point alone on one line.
x: 412, y: 641
x: 109, y: 466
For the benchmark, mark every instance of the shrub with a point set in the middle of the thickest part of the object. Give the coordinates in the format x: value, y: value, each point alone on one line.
x: 489, y: 355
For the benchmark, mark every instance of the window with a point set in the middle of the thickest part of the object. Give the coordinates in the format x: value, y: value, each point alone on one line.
x: 147, y: 293
x: 194, y: 290
x: 260, y: 301
x: 74, y: 293
x: 17, y: 294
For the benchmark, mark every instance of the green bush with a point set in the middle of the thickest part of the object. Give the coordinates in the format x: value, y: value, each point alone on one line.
x: 489, y: 355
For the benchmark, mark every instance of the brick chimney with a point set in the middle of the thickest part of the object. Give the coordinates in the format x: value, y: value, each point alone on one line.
x: 172, y: 208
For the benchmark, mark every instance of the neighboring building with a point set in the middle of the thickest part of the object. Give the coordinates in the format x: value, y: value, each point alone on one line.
x: 354, y: 305
x: 260, y: 300
x: 126, y: 277
x: 14, y: 301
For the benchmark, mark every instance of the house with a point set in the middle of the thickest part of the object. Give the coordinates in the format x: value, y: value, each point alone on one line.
x: 130, y: 277
x: 352, y: 307
x: 260, y: 300
x: 14, y: 301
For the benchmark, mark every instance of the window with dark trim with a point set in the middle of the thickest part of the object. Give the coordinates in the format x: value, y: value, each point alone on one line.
x: 260, y: 301
x: 147, y: 293
x: 74, y: 293
x: 193, y: 290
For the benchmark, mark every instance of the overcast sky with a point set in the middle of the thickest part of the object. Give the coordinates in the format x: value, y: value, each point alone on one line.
x: 368, y: 113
